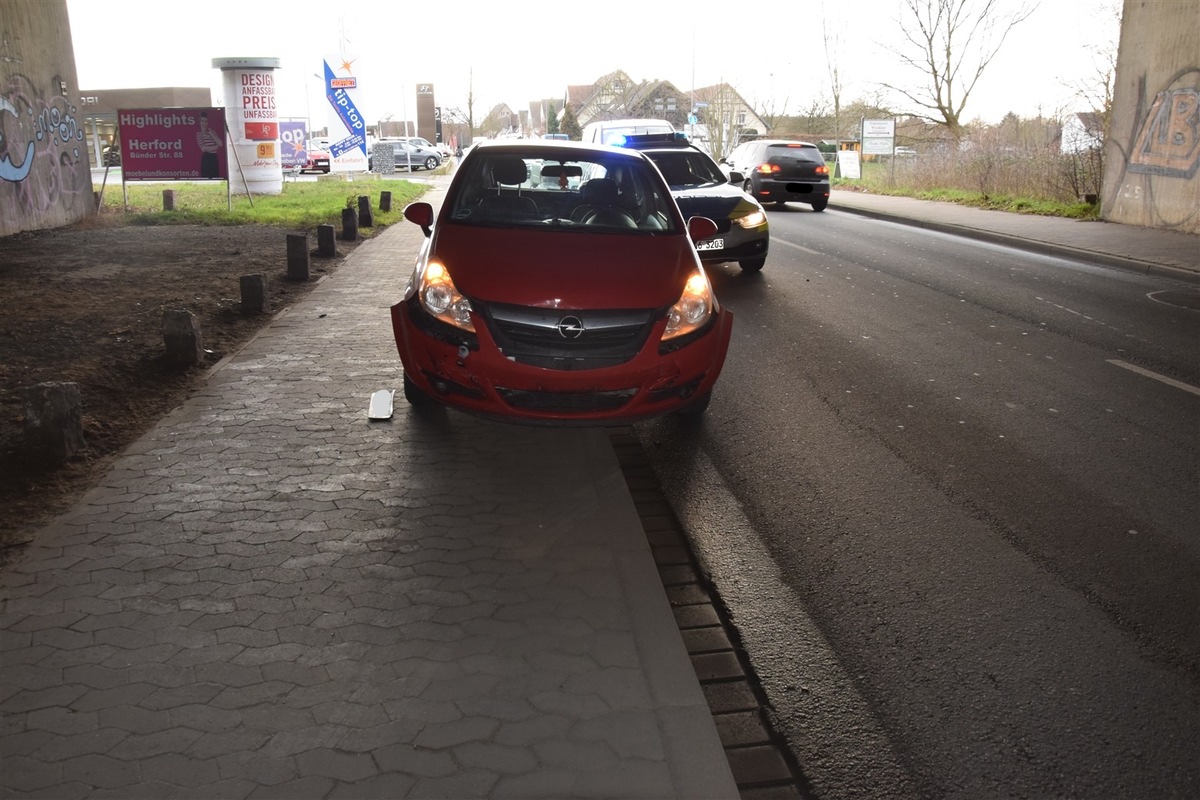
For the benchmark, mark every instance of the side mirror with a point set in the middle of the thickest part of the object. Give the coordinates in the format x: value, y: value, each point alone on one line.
x: 700, y: 228
x: 420, y: 214
x: 737, y: 177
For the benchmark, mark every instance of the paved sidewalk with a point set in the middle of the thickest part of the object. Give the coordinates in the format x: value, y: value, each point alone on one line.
x: 271, y: 596
x: 1160, y: 252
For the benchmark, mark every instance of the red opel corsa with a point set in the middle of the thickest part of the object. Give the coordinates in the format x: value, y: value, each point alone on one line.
x: 559, y: 284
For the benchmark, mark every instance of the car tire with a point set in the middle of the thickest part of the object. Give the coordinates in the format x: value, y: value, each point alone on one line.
x: 753, y: 264
x: 417, y: 398
x: 696, y: 409
x: 820, y: 205
x: 431, y: 163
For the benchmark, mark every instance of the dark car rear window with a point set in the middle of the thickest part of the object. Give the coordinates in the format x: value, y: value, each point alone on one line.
x: 806, y: 152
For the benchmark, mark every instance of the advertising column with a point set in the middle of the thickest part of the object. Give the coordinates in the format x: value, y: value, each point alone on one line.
x: 249, y: 88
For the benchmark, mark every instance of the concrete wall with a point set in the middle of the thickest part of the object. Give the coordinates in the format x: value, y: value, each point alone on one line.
x: 1153, y: 151
x: 45, y: 176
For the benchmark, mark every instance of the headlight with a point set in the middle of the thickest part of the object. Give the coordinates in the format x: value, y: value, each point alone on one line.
x: 439, y: 298
x: 753, y: 219
x: 693, y: 309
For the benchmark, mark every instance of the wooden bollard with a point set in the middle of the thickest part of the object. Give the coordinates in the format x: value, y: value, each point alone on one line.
x: 349, y: 225
x: 365, y: 218
x: 325, y: 240
x: 181, y: 335
x: 385, y: 201
x: 255, y: 299
x: 297, y: 256
x: 168, y: 199
x: 54, y: 421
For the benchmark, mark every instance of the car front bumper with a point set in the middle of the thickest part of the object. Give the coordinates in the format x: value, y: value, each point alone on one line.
x: 480, y: 379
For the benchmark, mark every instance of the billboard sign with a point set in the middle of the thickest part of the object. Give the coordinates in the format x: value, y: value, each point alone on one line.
x: 293, y: 142
x: 878, y: 137
x: 173, y: 144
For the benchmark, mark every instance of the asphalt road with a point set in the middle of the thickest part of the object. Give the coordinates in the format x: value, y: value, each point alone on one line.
x: 949, y: 491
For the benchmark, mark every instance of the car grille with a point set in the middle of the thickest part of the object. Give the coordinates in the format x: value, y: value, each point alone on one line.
x: 568, y: 340
x: 566, y: 402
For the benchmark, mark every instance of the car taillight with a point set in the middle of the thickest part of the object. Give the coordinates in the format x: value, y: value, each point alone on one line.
x: 767, y: 169
x: 822, y: 170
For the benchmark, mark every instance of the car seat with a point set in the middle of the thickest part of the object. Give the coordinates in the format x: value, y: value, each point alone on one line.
x: 508, y: 205
x: 601, y: 205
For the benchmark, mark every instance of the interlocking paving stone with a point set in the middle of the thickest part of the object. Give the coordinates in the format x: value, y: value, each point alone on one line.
x: 270, y: 596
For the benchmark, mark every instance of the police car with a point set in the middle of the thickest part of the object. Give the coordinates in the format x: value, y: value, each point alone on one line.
x: 701, y: 189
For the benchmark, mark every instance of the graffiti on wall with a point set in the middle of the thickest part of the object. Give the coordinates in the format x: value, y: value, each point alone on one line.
x: 42, y: 145
x: 1153, y: 182
x: 1169, y: 140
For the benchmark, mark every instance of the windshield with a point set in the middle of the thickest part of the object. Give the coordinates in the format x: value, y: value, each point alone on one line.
x: 683, y: 168
x: 592, y: 192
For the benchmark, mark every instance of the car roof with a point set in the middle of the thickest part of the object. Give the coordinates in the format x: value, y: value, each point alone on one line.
x: 517, y: 146
x: 793, y: 142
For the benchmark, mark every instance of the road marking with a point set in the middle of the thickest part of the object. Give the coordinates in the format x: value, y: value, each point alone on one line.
x: 798, y: 247
x: 1187, y: 387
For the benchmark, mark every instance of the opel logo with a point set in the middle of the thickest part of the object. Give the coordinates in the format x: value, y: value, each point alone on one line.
x: 570, y: 327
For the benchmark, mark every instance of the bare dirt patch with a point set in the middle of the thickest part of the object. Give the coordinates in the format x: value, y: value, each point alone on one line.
x: 84, y: 304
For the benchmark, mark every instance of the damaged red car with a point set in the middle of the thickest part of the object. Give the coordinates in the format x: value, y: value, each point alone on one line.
x: 559, y: 284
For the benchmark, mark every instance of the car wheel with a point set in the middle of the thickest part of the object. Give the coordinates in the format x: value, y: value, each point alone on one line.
x: 748, y: 187
x: 417, y: 398
x: 819, y: 205
x: 431, y: 163
x: 695, y: 410
x: 752, y: 264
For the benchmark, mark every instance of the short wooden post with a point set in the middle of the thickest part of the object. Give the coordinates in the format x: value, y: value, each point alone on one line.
x: 297, y: 256
x: 54, y: 421
x: 168, y: 199
x: 385, y: 201
x: 181, y: 335
x: 365, y: 218
x: 349, y: 224
x: 255, y: 299
x: 325, y: 240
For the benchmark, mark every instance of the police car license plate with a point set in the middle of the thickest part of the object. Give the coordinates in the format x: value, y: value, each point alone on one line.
x: 711, y: 244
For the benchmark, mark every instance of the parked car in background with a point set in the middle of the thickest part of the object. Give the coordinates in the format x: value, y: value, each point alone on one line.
x: 111, y: 157
x: 904, y: 152
x: 781, y: 171
x: 576, y: 301
x: 443, y: 150
x: 701, y: 189
x: 316, y: 160
x: 406, y: 155
x: 609, y: 131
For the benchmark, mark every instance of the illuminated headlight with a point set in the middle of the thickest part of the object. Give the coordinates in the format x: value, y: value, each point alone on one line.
x: 753, y: 219
x: 439, y: 297
x: 693, y: 309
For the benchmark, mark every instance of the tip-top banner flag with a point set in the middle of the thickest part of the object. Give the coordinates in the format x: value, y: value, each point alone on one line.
x: 342, y: 89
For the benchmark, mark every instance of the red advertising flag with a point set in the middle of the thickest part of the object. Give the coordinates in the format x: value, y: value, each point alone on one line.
x: 262, y: 131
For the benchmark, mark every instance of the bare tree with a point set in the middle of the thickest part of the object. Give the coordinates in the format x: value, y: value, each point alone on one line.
x: 951, y: 42
x: 720, y: 120
x: 833, y: 42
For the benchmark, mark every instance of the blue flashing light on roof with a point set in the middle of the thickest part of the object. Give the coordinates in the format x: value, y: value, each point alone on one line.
x: 650, y: 139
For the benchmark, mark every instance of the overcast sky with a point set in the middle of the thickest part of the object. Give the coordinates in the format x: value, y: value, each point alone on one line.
x: 517, y: 51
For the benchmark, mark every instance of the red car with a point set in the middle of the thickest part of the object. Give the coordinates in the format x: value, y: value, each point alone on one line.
x: 559, y: 284
x: 316, y: 161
